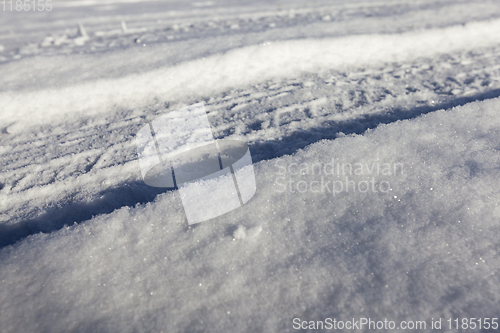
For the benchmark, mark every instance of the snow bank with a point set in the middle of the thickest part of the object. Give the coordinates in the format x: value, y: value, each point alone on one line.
x: 424, y: 247
x: 238, y: 68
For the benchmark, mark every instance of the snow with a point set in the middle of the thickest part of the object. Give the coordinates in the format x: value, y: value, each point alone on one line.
x: 372, y: 127
x: 426, y: 249
x: 238, y: 68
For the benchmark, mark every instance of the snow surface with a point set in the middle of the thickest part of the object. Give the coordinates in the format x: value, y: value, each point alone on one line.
x: 239, y: 68
x: 429, y: 248
x: 86, y: 246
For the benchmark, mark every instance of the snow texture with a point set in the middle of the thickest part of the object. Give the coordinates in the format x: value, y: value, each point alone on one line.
x: 428, y: 248
x: 374, y: 133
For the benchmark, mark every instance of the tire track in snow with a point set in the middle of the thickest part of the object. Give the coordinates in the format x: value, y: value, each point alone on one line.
x: 276, y: 116
x: 239, y: 68
x: 155, y: 26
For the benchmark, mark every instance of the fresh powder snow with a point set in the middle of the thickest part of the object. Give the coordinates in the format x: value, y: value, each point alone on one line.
x: 374, y: 132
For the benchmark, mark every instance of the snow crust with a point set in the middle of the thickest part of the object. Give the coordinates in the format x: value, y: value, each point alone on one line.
x: 237, y: 68
x: 427, y: 248
x: 376, y: 179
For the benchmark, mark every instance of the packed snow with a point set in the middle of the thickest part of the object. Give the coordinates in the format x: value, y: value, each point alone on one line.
x: 374, y: 133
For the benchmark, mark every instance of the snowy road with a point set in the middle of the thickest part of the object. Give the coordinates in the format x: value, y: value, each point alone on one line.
x: 85, y: 245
